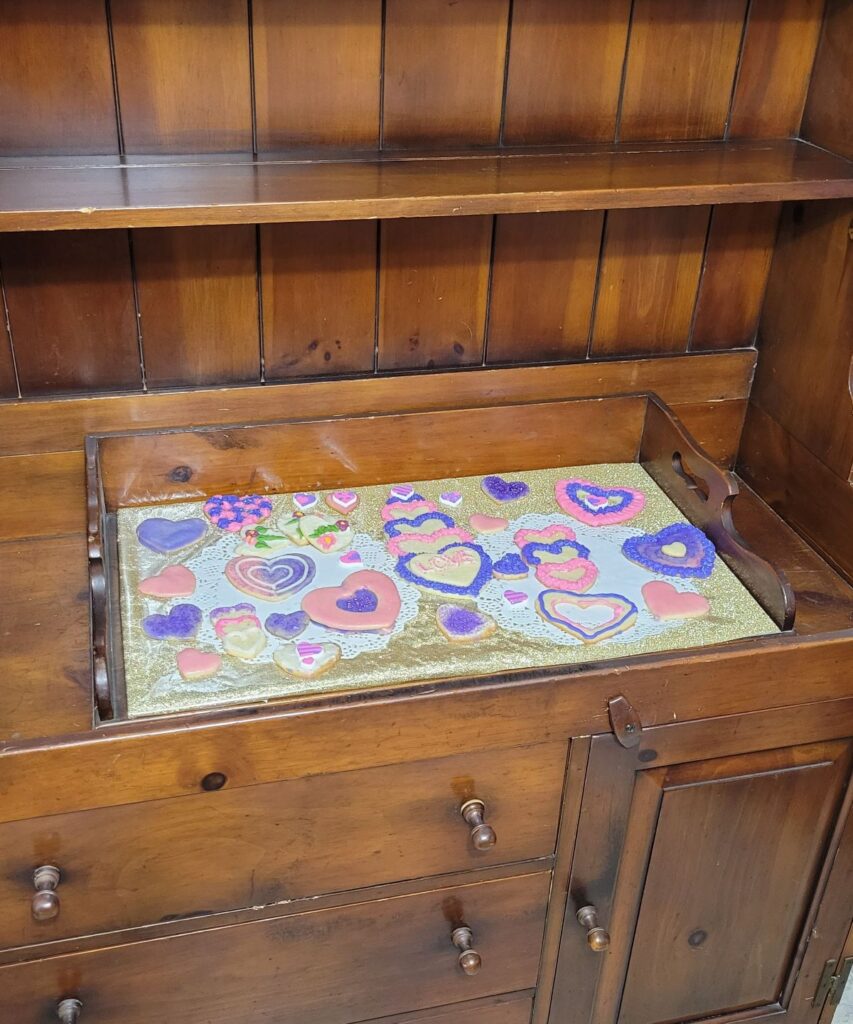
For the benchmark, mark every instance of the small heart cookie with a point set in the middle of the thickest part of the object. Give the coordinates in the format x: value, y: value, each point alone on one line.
x: 180, y: 623
x: 666, y: 603
x: 306, y: 660
x: 194, y: 664
x: 244, y: 641
x: 487, y: 524
x: 173, y: 581
x: 342, y: 501
x: 502, y: 490
x: 576, y: 575
x: 463, y: 625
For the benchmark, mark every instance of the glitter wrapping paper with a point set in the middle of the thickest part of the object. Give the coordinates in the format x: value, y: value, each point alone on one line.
x: 416, y: 649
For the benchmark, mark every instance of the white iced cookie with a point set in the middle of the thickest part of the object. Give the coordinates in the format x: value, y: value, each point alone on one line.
x: 243, y: 641
x: 305, y: 659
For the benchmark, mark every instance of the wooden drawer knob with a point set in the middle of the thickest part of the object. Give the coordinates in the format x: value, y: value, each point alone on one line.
x: 469, y: 959
x: 45, y: 899
x: 68, y: 1011
x: 597, y: 938
x: 483, y: 836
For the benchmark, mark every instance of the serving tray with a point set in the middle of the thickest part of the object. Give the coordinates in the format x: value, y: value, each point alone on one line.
x: 252, y: 563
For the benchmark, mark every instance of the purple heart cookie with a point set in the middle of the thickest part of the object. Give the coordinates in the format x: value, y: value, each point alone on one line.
x: 362, y: 600
x: 505, y: 490
x: 287, y: 626
x: 676, y: 550
x: 510, y: 567
x: 532, y: 552
x: 167, y: 535
x: 181, y: 623
x: 463, y: 624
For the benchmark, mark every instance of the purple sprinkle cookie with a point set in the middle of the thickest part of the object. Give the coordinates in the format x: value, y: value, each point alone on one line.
x: 180, y: 623
x: 505, y: 490
x: 462, y: 624
x: 287, y: 626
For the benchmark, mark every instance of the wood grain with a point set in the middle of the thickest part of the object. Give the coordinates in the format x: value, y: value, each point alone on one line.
x: 314, y: 958
x: 8, y: 379
x: 680, y: 69
x: 650, y: 267
x: 319, y: 298
x: 71, y: 310
x: 198, y: 305
x: 775, y: 68
x: 317, y: 72
x: 826, y: 121
x: 433, y: 290
x: 55, y: 487
x: 56, y: 90
x: 554, y: 257
x: 506, y: 1009
x: 444, y: 72
x: 734, y: 277
x: 565, y: 70
x: 183, y: 75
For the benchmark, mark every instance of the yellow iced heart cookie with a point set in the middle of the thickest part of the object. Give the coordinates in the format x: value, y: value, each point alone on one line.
x: 244, y: 642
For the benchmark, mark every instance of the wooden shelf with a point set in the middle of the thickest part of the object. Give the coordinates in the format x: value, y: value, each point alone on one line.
x: 61, y: 193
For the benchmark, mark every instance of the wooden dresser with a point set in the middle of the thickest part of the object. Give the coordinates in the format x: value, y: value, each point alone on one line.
x: 230, y: 212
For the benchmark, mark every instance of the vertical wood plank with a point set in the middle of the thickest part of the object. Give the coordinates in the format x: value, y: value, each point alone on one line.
x: 56, y: 89
x: 319, y: 298
x: 827, y: 119
x: 70, y: 299
x: 198, y: 302
x: 775, y: 66
x: 565, y: 70
x: 651, y: 262
x: 317, y: 72
x: 543, y: 282
x: 183, y: 75
x: 680, y: 69
x: 444, y: 71
x: 434, y: 282
x: 8, y: 384
x: 737, y: 262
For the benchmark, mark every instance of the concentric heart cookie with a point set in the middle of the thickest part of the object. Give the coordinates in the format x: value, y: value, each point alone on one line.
x: 306, y: 660
x: 271, y: 579
x: 667, y: 603
x: 596, y: 505
x: 173, y: 581
x: 462, y: 569
x: 463, y: 625
x: 287, y: 627
x: 326, y: 535
x: 366, y: 601
x: 412, y: 543
x: 428, y: 522
x: 450, y: 498
x: 342, y: 501
x: 232, y: 511
x: 179, y: 623
x: 502, y: 490
x: 576, y: 575
x: 245, y: 641
x: 590, y: 618
x: 304, y: 500
x: 167, y: 535
x: 403, y: 492
x: 233, y: 618
x: 679, y: 550
x: 556, y: 531
x: 536, y: 552
x: 407, y: 509
x: 194, y: 664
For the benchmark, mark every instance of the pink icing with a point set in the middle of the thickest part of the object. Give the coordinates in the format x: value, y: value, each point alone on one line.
x: 195, y: 664
x: 487, y: 524
x: 397, y: 546
x: 173, y: 581
x: 547, y: 536
x: 553, y: 575
x: 323, y: 605
x: 407, y: 509
x: 665, y: 602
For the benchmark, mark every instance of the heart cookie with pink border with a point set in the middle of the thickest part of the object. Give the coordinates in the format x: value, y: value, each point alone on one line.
x: 590, y: 618
x: 366, y: 600
x: 598, y: 506
x: 576, y: 575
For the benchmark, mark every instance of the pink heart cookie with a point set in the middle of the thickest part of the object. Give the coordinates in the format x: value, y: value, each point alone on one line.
x: 195, y: 664
x: 665, y: 602
x: 366, y: 600
x: 548, y: 535
x: 576, y: 575
x: 173, y: 581
x: 487, y: 524
x: 342, y: 501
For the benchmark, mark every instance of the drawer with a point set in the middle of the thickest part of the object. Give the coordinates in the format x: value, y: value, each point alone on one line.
x: 125, y: 866
x: 335, y: 966
x: 515, y: 1008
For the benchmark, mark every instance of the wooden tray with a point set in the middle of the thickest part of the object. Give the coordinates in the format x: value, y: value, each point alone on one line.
x: 131, y: 469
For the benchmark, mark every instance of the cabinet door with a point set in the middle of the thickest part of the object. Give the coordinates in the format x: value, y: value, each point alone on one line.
x: 706, y: 859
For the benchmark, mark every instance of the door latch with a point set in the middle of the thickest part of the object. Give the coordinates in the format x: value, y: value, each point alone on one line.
x: 831, y: 984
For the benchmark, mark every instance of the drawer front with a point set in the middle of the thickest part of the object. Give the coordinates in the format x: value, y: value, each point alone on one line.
x: 121, y: 867
x: 515, y: 1008
x: 328, y: 967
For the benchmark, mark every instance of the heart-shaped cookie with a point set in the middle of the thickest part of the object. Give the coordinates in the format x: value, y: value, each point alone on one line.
x: 232, y: 511
x: 455, y: 569
x: 306, y: 660
x: 246, y: 641
x: 412, y: 543
x: 679, y: 550
x: 665, y: 602
x: 287, y: 626
x: 173, y: 581
x: 510, y: 567
x: 179, y: 623
x: 167, y: 535
x: 463, y: 625
x: 576, y: 575
x: 596, y: 505
x: 342, y: 501
x: 366, y: 601
x: 536, y: 552
x: 556, y: 531
x: 271, y: 579
x: 324, y: 534
x: 590, y: 618
x: 407, y: 509
x: 502, y: 490
x: 487, y: 524
x: 194, y: 664
x: 427, y: 522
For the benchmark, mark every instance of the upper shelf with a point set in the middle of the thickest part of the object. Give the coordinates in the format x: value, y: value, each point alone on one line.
x: 50, y: 193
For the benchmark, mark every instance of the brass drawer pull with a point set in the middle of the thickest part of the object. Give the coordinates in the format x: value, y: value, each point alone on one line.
x: 483, y: 836
x: 68, y: 1011
x: 469, y: 959
x: 46, y: 899
x: 596, y: 937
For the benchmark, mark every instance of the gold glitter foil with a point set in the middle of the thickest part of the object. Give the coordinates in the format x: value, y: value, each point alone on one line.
x: 420, y: 651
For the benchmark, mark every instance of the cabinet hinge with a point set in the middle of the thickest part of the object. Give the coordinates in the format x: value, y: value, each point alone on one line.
x: 624, y: 721
x: 831, y: 984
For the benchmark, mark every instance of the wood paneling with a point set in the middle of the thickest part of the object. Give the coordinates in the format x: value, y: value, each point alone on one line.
x: 827, y: 119
x: 56, y: 495
x: 444, y: 71
x: 434, y: 283
x: 71, y: 310
x: 183, y: 75
x: 198, y: 305
x: 650, y: 268
x: 317, y: 72
x: 775, y: 66
x: 56, y: 89
x: 565, y: 70
x: 319, y: 292
x: 543, y: 280
x: 680, y: 68
x: 8, y: 380
x: 737, y: 262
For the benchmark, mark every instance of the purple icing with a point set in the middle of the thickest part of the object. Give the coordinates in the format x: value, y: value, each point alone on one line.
x: 287, y: 626
x: 361, y: 600
x: 569, y: 548
x: 414, y: 496
x: 483, y: 576
x: 511, y: 564
x: 180, y: 623
x: 505, y: 490
x: 460, y: 621
x: 647, y: 550
x: 576, y: 491
x: 393, y: 528
x: 233, y: 610
x: 167, y: 535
